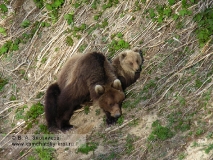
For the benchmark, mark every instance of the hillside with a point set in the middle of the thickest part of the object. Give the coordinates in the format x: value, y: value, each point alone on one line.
x: 167, y: 113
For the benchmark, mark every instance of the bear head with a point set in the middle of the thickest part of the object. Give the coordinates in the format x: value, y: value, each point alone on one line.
x: 131, y: 60
x: 111, y: 98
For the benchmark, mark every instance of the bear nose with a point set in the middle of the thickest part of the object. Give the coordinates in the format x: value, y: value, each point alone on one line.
x: 138, y: 70
x: 117, y: 115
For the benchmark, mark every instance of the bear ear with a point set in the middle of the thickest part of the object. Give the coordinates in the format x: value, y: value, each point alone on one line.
x: 122, y: 55
x: 136, y: 49
x: 117, y: 84
x: 99, y: 89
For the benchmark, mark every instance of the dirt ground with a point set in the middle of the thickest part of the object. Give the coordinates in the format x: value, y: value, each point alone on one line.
x: 175, y: 87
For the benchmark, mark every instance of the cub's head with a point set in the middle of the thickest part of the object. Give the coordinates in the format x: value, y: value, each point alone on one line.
x: 111, y: 98
x: 131, y: 60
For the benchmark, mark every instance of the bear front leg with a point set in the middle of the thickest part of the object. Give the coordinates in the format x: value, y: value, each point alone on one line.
x: 65, y: 110
x: 110, y: 119
x: 63, y: 121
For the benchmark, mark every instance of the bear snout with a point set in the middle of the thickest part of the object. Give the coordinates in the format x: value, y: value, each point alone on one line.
x: 116, y: 111
x: 117, y: 115
x: 138, y: 70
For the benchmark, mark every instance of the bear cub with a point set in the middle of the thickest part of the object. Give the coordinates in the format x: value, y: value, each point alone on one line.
x: 127, y: 66
x: 83, y: 77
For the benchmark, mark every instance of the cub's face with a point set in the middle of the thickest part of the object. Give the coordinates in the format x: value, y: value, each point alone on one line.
x: 130, y: 61
x: 111, y: 98
x: 111, y: 102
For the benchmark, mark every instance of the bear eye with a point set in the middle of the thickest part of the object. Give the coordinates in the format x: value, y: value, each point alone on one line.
x: 111, y: 104
x: 137, y: 61
x: 131, y: 63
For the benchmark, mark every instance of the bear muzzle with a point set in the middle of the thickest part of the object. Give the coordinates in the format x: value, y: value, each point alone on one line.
x: 116, y: 111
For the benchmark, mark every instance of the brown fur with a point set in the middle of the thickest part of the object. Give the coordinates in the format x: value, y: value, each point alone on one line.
x: 84, y: 77
x: 128, y: 66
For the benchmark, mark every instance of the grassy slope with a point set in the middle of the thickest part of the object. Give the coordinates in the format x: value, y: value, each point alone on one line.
x: 167, y: 113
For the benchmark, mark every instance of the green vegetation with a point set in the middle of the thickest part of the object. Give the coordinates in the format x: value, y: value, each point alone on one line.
x: 39, y: 3
x: 97, y: 112
x: 82, y: 48
x: 3, y: 8
x: 40, y: 94
x: 109, y: 4
x: 86, y: 148
x: 159, y: 132
x: 86, y: 110
x: 209, y: 148
x: 129, y: 144
x: 34, y: 112
x: 12, y: 97
x: 42, y: 129
x: 54, y: 9
x: 108, y: 156
x: 44, y: 153
x: 10, y: 46
x: 3, y: 31
x: 120, y: 120
x: 25, y: 23
x: 3, y: 82
x: 178, y: 122
x: 118, y: 44
x: 19, y: 113
x: 181, y: 156
x: 70, y: 18
x: 69, y: 41
x: 205, y: 26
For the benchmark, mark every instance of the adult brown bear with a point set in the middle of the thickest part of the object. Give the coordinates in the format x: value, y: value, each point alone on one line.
x: 81, y: 78
x: 127, y: 66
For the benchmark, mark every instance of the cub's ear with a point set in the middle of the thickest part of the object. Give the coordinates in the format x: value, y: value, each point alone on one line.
x: 99, y: 89
x: 117, y: 84
x: 122, y: 55
x: 136, y: 49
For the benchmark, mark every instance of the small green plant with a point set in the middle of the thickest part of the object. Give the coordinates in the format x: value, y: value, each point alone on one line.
x: 109, y: 4
x: 94, y: 4
x: 34, y: 112
x: 199, y: 132
x: 205, y: 26
x: 54, y: 8
x: 39, y: 3
x: 44, y: 153
x: 134, y: 122
x: 3, y: 31
x: 19, y: 114
x: 120, y: 120
x: 70, y: 18
x: 104, y: 23
x: 109, y: 156
x: 43, y: 129
x: 12, y: 97
x: 96, y: 17
x: 69, y: 41
x: 209, y: 148
x: 3, y: 8
x: 97, y: 112
x: 129, y: 144
x: 40, y: 94
x: 86, y: 110
x: 45, y: 24
x: 86, y: 148
x: 116, y: 45
x: 82, y: 48
x: 3, y: 82
x: 159, y: 132
x: 25, y: 23
x: 171, y: 2
x: 181, y: 156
